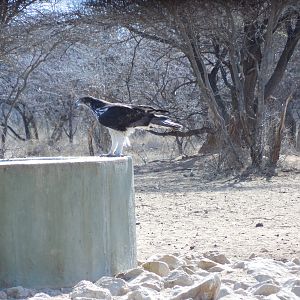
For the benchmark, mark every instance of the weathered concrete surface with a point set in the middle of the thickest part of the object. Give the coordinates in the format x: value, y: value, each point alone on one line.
x: 66, y: 219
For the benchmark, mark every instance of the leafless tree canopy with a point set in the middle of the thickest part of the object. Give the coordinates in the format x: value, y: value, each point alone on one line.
x: 226, y: 69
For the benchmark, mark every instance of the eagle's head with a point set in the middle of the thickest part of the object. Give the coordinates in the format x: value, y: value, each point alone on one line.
x: 84, y: 101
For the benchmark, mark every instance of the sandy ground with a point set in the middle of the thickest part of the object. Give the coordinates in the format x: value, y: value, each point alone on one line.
x: 181, y: 209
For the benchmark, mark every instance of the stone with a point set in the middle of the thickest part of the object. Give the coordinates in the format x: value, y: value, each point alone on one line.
x: 286, y: 295
x: 292, y: 282
x: 153, y: 285
x: 172, y: 261
x: 189, y: 269
x: 239, y: 265
x: 148, y: 280
x: 87, y: 289
x: 3, y: 295
x: 296, y: 261
x: 229, y: 281
x: 217, y: 257
x: 158, y: 267
x: 77, y: 298
x: 278, y: 271
x: 116, y: 286
x: 262, y: 277
x: 296, y: 290
x: 130, y: 274
x: 224, y: 291
x: 240, y: 285
x: 216, y: 269
x: 206, y: 263
x: 39, y: 296
x: 178, y: 277
x: 208, y: 289
x: 252, y: 255
x: 295, y: 269
x: 267, y: 289
x: 19, y: 292
x: 145, y: 276
x: 54, y: 293
x: 142, y: 293
x: 238, y: 297
x: 264, y: 250
x: 202, y: 273
x: 241, y: 292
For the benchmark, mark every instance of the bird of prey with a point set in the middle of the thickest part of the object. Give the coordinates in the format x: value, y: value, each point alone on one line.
x: 122, y: 120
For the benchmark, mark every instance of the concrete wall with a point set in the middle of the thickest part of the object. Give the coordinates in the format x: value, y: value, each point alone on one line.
x: 64, y: 220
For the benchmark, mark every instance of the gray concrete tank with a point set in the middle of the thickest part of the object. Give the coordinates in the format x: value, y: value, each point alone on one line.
x: 65, y: 219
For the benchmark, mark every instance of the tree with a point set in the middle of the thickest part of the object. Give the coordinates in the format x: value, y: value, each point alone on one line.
x: 234, y: 51
x: 27, y: 41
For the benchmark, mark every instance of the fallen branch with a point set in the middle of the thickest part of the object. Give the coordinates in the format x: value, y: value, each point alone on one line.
x: 189, y: 133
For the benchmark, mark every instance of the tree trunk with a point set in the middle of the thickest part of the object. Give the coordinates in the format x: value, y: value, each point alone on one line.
x: 3, y: 142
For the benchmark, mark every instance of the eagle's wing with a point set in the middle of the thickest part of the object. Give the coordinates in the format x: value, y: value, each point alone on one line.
x: 121, y: 117
x: 150, y: 109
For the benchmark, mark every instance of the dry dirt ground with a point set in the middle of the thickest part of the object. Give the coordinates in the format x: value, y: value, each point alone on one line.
x: 183, y: 208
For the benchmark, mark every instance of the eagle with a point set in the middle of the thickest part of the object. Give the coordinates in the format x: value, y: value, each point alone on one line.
x: 121, y: 120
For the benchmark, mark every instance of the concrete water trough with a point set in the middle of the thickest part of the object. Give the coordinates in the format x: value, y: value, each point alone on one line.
x: 63, y: 220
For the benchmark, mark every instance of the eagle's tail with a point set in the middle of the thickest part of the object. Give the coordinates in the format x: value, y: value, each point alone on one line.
x: 163, y: 121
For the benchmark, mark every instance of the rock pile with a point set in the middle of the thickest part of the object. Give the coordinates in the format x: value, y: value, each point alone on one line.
x: 205, y: 277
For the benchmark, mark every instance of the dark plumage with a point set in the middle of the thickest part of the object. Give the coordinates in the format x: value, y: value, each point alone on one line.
x: 122, y: 119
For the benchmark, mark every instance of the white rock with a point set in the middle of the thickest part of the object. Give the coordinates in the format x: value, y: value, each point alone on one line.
x: 290, y: 264
x: 208, y: 289
x: 206, y: 263
x: 148, y: 280
x: 295, y: 269
x: 287, y: 295
x: 239, y: 265
x: 224, y: 291
x: 229, y: 281
x: 292, y: 282
x: 130, y: 274
x: 241, y: 292
x: 189, y: 269
x: 39, y: 296
x: 19, y: 292
x: 54, y: 293
x: 78, y: 298
x: 217, y: 257
x: 145, y: 276
x: 178, y: 277
x: 202, y: 273
x: 296, y: 261
x: 172, y: 261
x: 153, y: 285
x: 142, y: 294
x: 216, y: 269
x: 86, y: 289
x: 158, y: 267
x: 238, y: 297
x: 240, y: 285
x: 116, y: 286
x: 252, y: 255
x: 3, y: 295
x: 296, y: 290
x: 262, y: 277
x: 276, y: 270
x: 267, y: 289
